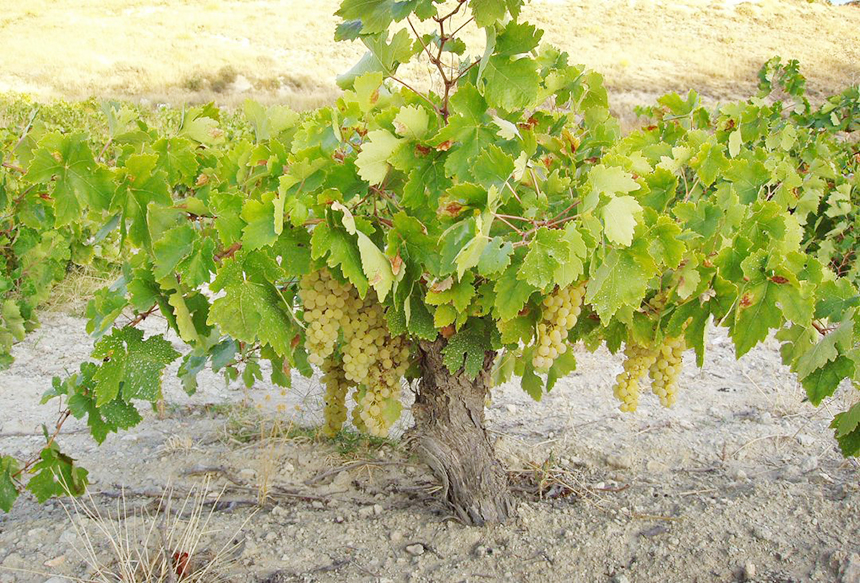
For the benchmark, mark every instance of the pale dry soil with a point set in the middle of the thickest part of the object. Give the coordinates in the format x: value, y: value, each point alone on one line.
x: 740, y: 480
x: 284, y: 50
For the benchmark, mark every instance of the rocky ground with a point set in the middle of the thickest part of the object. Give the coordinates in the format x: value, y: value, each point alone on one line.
x: 740, y: 481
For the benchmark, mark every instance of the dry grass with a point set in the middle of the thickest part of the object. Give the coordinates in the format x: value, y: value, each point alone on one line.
x: 271, y: 50
x: 80, y: 284
x: 169, y: 544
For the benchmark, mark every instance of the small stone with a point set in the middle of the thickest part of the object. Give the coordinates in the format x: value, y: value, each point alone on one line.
x: 805, y: 440
x: 621, y: 462
x: 287, y: 468
x: 365, y: 511
x: 279, y: 511
x: 338, y: 519
x: 377, y: 509
x: 55, y: 562
x: 415, y: 550
x: 248, y: 474
x: 620, y: 578
x: 655, y: 466
x: 317, y: 504
x: 749, y: 571
x: 809, y: 464
x: 511, y: 408
x: 396, y: 536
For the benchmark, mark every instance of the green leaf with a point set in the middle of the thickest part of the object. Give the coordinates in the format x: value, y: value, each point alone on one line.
x: 340, y: 251
x: 255, y: 311
x: 548, y: 250
x: 174, y: 246
x: 612, y: 180
x: 511, y: 84
x: 512, y: 293
x: 469, y: 126
x: 372, y: 162
x: 495, y: 257
x: 666, y: 246
x: 620, y: 219
x: 412, y: 122
x: 259, y: 215
x: 8, y: 491
x: 621, y: 280
x: 472, y: 344
x: 823, y: 382
x: 79, y: 181
x: 517, y: 38
x: 710, y: 162
x: 132, y: 364
x: 374, y: 263
x: 849, y: 421
x: 571, y: 267
x: 56, y: 475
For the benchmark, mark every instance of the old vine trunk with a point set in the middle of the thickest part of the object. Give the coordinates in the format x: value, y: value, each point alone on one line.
x: 450, y: 436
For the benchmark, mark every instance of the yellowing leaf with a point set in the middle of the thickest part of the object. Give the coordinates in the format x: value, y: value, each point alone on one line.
x: 619, y: 219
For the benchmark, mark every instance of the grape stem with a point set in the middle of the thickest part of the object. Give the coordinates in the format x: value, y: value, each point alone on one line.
x: 33, y: 460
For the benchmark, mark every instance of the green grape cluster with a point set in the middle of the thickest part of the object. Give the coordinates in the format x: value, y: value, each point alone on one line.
x: 327, y: 306
x: 665, y: 370
x: 384, y: 385
x: 369, y: 358
x: 561, y: 309
x: 638, y: 359
x: 336, y: 387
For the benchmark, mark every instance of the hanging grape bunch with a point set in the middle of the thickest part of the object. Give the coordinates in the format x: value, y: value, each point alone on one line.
x: 369, y: 358
x: 666, y: 369
x: 561, y: 309
x: 336, y: 387
x: 637, y: 361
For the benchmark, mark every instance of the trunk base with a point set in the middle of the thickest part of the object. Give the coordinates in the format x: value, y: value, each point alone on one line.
x: 451, y: 438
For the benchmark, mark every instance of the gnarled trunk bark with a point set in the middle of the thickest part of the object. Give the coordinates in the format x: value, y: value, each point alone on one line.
x: 451, y: 438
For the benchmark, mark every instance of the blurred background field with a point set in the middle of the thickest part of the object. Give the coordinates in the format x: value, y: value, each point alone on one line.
x: 177, y: 51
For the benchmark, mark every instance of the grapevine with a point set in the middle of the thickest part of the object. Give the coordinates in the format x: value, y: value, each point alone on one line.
x: 442, y: 237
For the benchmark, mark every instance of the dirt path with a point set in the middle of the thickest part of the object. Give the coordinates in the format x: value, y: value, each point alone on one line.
x: 741, y: 475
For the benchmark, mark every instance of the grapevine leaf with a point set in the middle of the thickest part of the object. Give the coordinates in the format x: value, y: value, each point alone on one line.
x: 8, y: 491
x: 517, y: 38
x: 412, y: 122
x: 571, y: 267
x: 131, y: 364
x: 612, y: 180
x: 372, y: 162
x: 80, y: 181
x: 511, y: 84
x: 621, y: 280
x: 420, y: 322
x: 710, y: 162
x: 469, y: 343
x: 469, y: 126
x: 666, y: 246
x: 548, y: 250
x: 56, y: 475
x: 495, y: 257
x: 822, y: 382
x: 512, y: 293
x: 176, y: 244
x: 374, y: 263
x: 619, y: 219
x: 849, y: 421
x: 341, y: 251
x: 849, y: 443
x: 254, y: 311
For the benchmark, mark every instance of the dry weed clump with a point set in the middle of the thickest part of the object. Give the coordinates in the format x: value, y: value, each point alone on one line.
x: 172, y: 543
